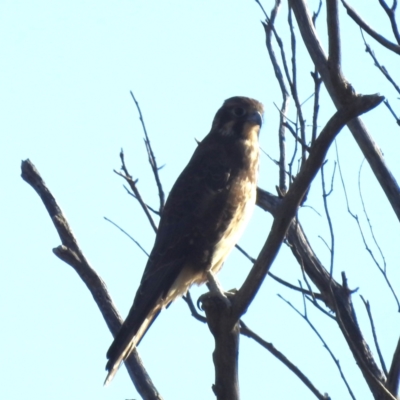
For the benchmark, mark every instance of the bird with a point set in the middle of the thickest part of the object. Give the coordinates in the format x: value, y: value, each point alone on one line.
x: 205, y: 214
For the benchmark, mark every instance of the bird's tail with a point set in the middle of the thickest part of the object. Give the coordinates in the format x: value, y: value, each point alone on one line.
x: 125, y: 342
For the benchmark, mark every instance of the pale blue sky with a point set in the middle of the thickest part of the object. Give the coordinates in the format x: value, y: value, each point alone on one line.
x: 66, y: 72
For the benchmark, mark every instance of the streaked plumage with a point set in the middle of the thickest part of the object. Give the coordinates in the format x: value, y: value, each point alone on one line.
x: 204, y: 216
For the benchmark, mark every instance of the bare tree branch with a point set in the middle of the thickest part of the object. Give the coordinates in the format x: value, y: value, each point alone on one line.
x: 393, y: 378
x: 315, y: 330
x: 71, y: 253
x: 244, y: 330
x: 379, y: 66
x: 135, y: 190
x: 335, y: 296
x: 269, y: 28
x: 341, y: 96
x: 226, y: 329
x: 378, y: 348
x: 390, y: 11
x: 328, y: 216
x: 127, y: 234
x: 362, y: 24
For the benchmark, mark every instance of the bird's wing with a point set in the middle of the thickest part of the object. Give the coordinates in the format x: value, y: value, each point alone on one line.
x: 195, y: 209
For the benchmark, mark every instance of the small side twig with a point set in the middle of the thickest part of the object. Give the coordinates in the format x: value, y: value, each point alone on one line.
x: 362, y: 24
x: 390, y: 11
x: 386, y: 102
x: 336, y: 361
x: 282, y: 281
x: 381, y: 68
x: 127, y: 234
x: 135, y: 190
x: 244, y: 330
x: 328, y: 216
x: 373, y: 329
x: 393, y: 378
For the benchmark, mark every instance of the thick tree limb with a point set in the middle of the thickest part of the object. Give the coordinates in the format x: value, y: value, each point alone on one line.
x: 393, y: 378
x: 71, y: 253
x: 225, y: 329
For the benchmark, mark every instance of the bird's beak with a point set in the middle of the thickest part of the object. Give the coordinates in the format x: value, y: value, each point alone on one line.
x: 255, y: 118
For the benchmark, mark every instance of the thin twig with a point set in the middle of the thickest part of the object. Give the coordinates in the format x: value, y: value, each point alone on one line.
x: 362, y: 24
x: 381, y: 68
x: 373, y: 329
x: 269, y: 28
x: 390, y: 11
x: 152, y: 159
x: 336, y: 361
x: 317, y: 88
x: 293, y: 86
x: 280, y: 280
x: 386, y: 102
x: 149, y: 207
x: 327, y: 213
x: 132, y: 184
x: 292, y: 131
x: 244, y: 330
x: 129, y: 236
x: 381, y: 269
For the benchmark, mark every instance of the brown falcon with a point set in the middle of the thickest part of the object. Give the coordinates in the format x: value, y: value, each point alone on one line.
x: 204, y: 216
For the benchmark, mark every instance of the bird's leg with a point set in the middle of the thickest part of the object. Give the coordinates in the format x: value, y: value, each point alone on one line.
x: 216, y: 288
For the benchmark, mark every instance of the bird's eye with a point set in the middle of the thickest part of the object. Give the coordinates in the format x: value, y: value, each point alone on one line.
x: 238, y: 111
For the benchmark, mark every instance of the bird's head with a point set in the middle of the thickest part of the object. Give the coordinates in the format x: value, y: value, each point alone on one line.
x: 239, y: 117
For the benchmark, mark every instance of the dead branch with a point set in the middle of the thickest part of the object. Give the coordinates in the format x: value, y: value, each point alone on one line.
x: 377, y: 64
x: 390, y: 11
x: 393, y: 378
x: 341, y: 93
x: 244, y: 330
x: 362, y: 24
x: 226, y: 329
x: 373, y: 329
x: 315, y: 330
x: 269, y: 29
x: 70, y: 253
x: 335, y: 296
x: 135, y: 190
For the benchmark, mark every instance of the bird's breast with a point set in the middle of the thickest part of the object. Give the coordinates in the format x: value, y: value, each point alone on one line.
x: 243, y: 193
